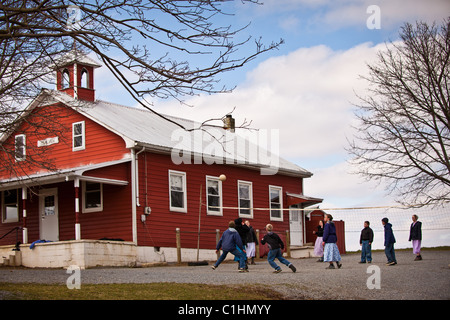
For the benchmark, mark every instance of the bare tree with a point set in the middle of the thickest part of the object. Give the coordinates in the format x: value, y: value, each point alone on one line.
x: 137, y: 40
x: 161, y: 48
x: 403, y: 137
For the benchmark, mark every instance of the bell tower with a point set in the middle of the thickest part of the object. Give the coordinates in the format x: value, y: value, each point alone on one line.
x: 75, y: 75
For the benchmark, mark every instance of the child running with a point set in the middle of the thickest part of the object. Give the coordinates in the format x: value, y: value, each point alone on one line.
x: 230, y: 242
x: 275, y: 245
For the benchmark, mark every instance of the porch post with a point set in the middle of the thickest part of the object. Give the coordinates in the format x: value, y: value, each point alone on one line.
x: 24, y: 215
x: 76, y: 184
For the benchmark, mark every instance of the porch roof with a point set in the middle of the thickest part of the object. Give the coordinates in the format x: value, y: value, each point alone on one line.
x: 68, y: 174
x: 305, y: 201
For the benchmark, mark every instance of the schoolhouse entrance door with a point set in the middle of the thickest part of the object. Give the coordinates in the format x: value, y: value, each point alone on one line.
x: 296, y: 225
x: 48, y: 214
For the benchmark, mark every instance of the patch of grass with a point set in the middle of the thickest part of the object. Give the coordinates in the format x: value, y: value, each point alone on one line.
x: 148, y: 291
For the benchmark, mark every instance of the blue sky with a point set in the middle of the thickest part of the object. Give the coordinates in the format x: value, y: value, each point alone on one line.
x: 306, y: 88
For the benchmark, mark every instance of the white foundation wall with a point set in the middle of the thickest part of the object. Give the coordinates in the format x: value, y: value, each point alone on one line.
x: 166, y: 254
x: 99, y: 253
x: 82, y: 253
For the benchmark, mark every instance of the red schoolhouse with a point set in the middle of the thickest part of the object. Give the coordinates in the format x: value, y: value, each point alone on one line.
x: 107, y: 172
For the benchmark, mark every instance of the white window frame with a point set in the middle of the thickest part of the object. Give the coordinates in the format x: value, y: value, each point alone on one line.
x: 24, y: 147
x: 88, y: 210
x: 250, y: 192
x: 3, y: 209
x: 178, y: 209
x: 280, y: 197
x: 83, y: 136
x: 213, y: 212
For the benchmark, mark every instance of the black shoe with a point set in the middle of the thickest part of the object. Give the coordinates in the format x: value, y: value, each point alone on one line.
x: 331, y: 266
x: 362, y: 262
x: 291, y: 266
x: 339, y: 265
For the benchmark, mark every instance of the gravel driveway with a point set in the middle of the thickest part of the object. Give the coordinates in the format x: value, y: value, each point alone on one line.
x: 426, y: 279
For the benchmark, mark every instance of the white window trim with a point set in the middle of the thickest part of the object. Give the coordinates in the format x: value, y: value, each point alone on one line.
x: 280, y: 190
x: 250, y: 184
x: 176, y: 209
x: 83, y: 196
x: 83, y: 132
x: 24, y: 147
x: 4, y: 220
x: 210, y: 212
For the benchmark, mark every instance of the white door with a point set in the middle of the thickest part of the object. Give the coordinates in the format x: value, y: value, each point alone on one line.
x: 48, y: 213
x: 296, y: 225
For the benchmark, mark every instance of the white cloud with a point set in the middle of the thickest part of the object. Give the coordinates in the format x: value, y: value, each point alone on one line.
x: 307, y: 95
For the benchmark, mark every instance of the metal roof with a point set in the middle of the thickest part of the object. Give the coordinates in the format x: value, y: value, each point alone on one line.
x: 139, y: 127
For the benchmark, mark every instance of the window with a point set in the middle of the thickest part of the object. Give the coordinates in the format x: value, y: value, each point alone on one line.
x: 78, y: 136
x: 92, y: 197
x: 177, y: 191
x: 214, y: 195
x: 245, y: 195
x: 65, y: 79
x: 20, y: 147
x: 10, y: 207
x: 276, y: 203
x: 84, y: 78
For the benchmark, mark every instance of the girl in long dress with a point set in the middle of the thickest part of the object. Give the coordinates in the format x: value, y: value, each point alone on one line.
x: 330, y: 252
x: 318, y: 247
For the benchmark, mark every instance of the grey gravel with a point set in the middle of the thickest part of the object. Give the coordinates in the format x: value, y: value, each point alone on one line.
x: 426, y: 279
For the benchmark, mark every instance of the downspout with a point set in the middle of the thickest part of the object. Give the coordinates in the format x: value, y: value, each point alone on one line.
x: 138, y: 204
x: 134, y: 190
x: 133, y: 195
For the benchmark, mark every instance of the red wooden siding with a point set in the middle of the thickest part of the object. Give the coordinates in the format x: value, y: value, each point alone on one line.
x: 113, y: 222
x: 101, y: 144
x: 161, y: 223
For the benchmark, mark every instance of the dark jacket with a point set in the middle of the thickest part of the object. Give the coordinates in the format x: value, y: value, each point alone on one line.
x: 366, y: 234
x: 329, y: 233
x: 388, y: 234
x: 242, y: 229
x: 273, y: 241
x: 319, y: 231
x: 415, y: 232
x: 251, y: 236
x: 229, y: 240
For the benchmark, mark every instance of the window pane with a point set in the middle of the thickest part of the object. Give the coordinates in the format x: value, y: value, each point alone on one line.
x: 177, y: 199
x: 213, y: 201
x: 11, y: 213
x: 244, y: 204
x: 20, y: 147
x: 93, y: 199
x: 77, y: 129
x: 92, y: 186
x: 213, y: 187
x: 274, y: 196
x: 275, y: 213
x: 10, y: 196
x: 176, y: 182
x: 244, y: 191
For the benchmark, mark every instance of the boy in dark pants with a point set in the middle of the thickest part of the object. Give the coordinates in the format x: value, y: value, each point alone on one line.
x: 365, y: 240
x: 389, y: 241
x: 275, y: 245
